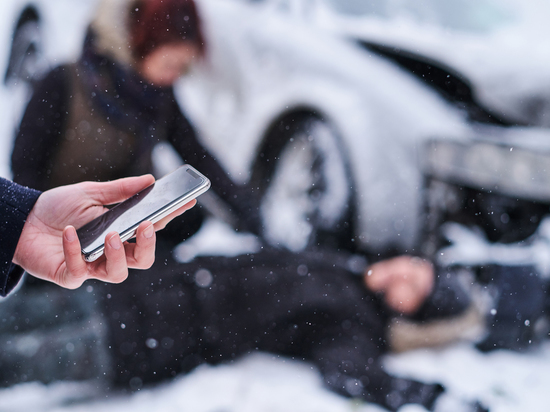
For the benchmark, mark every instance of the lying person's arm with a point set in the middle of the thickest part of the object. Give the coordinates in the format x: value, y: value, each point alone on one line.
x: 405, y: 281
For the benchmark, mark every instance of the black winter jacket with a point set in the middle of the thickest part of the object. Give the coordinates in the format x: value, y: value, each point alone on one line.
x: 43, y: 130
x: 16, y: 202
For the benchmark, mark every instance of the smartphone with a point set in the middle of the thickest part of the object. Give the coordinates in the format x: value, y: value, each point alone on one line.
x: 152, y: 203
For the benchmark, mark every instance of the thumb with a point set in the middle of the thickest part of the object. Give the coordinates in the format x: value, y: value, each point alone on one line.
x: 119, y: 190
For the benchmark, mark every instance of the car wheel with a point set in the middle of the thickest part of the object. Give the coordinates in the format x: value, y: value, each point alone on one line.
x: 27, y: 62
x: 304, y: 181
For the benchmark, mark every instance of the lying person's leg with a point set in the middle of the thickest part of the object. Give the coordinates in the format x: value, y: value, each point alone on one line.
x: 49, y: 334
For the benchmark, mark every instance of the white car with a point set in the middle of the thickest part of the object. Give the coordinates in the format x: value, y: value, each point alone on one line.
x: 34, y: 36
x: 337, y: 137
x: 497, y: 49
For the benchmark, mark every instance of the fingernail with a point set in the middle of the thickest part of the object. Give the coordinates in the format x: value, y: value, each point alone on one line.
x: 115, y: 242
x: 70, y: 234
x: 149, y: 232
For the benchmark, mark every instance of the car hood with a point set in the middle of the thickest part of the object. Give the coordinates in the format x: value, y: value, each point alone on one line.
x: 507, y: 68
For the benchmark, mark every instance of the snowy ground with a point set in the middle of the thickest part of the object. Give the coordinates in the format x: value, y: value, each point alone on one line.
x: 505, y: 381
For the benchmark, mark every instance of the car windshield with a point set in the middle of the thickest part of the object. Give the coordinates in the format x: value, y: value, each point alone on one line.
x: 469, y: 15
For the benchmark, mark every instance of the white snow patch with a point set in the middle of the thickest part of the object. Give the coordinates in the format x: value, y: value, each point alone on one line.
x: 504, y: 381
x: 216, y: 238
x: 470, y: 247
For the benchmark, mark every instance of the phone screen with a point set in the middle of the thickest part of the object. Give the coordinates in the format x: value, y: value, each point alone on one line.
x: 152, y: 203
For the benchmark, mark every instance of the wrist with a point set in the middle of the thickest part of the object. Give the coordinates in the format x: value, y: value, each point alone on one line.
x: 18, y: 255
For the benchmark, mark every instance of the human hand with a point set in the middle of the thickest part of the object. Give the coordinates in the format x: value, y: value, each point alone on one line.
x: 49, y: 247
x: 405, y: 281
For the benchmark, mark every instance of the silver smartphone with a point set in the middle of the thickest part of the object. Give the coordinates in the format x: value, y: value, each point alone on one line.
x: 152, y: 203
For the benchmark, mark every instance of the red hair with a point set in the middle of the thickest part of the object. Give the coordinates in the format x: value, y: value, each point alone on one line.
x: 157, y: 22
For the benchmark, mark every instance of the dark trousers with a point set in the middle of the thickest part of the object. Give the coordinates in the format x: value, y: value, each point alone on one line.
x: 176, y: 316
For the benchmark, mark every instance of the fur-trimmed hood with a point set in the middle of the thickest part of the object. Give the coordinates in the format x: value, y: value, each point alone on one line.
x: 110, y: 26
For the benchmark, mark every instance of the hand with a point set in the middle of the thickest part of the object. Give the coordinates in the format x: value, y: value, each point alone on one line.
x: 49, y: 247
x: 405, y: 281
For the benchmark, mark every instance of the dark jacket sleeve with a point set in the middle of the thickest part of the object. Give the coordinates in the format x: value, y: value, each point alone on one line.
x: 16, y: 203
x: 40, y: 130
x: 240, y: 200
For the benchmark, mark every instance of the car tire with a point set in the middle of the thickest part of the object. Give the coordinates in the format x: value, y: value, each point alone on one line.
x: 27, y: 62
x: 305, y: 185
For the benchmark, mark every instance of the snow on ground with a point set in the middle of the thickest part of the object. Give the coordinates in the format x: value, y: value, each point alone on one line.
x: 504, y: 381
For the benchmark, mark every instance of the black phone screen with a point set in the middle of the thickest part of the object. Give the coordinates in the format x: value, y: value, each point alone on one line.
x: 145, y: 205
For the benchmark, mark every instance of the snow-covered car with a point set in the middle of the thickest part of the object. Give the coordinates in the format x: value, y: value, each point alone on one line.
x: 34, y: 35
x: 489, y: 59
x: 487, y: 53
x: 340, y: 139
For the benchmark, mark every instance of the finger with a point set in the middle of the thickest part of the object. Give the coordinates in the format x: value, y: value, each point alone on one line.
x: 377, y: 277
x: 404, y: 298
x: 161, y: 224
x: 403, y: 266
x: 115, y: 260
x: 420, y: 273
x: 141, y: 255
x: 425, y: 280
x: 76, y: 271
x: 107, y: 193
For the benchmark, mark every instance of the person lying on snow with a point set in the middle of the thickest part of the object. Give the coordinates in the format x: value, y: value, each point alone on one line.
x: 166, y: 321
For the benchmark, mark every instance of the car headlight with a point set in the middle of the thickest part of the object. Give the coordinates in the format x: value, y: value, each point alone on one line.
x: 490, y: 167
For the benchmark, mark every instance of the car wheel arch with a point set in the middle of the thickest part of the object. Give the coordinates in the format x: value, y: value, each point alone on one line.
x: 276, y: 138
